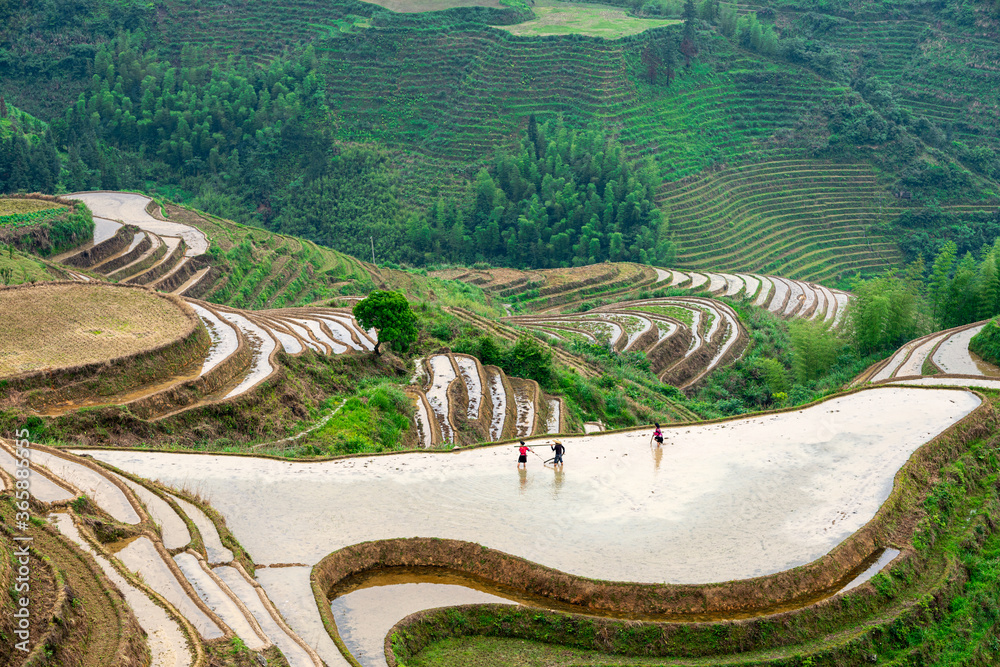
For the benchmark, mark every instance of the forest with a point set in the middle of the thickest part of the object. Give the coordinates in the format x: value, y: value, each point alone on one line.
x: 268, y: 139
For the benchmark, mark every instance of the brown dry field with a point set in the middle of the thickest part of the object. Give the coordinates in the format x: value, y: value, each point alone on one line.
x: 60, y: 325
x: 13, y: 206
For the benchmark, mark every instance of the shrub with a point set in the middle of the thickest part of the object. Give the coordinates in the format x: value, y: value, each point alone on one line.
x: 986, y: 343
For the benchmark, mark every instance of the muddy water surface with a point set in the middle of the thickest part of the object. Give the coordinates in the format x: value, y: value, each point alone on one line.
x: 935, y: 380
x: 41, y: 487
x: 365, y: 616
x: 727, y: 501
x: 141, y: 557
x: 878, y: 564
x: 954, y: 356
x: 247, y: 593
x: 225, y: 340
x: 108, y: 496
x: 131, y: 209
x: 175, y: 531
x: 290, y: 591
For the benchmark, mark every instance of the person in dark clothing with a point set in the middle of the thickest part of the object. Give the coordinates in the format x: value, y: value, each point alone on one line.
x: 658, y: 435
x: 558, y: 448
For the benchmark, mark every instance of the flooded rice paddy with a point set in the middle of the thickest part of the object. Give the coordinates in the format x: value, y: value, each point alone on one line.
x: 225, y: 340
x: 222, y: 605
x: 104, y: 229
x: 141, y: 557
x: 248, y: 595
x: 108, y: 496
x: 878, y: 564
x: 41, y: 487
x: 214, y: 549
x: 168, y: 646
x: 936, y: 380
x: 174, y: 531
x: 131, y: 209
x: 953, y: 355
x: 498, y: 396
x: 364, y: 616
x: 290, y: 591
x: 473, y: 383
x: 717, y: 502
x: 442, y: 375
x: 263, y: 345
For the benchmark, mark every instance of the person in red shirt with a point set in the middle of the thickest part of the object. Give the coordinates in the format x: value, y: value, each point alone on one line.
x: 523, y: 455
x: 658, y: 435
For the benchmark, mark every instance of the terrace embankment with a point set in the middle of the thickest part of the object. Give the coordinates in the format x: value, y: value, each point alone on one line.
x: 921, y: 517
x: 43, y: 224
x: 66, y: 342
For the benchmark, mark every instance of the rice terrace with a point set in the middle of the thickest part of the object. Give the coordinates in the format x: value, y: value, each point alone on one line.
x: 470, y: 333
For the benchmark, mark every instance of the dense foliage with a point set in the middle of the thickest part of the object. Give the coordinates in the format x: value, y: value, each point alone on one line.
x: 986, y: 343
x: 566, y: 198
x: 365, y: 130
x: 390, y: 315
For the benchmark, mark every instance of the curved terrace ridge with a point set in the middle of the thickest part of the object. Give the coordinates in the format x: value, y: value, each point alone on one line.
x: 812, y: 480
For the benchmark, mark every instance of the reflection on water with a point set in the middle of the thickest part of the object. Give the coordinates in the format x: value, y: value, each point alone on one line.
x: 367, y: 606
x: 104, y: 229
x: 522, y: 478
x: 877, y: 562
x: 657, y: 457
x: 558, y: 481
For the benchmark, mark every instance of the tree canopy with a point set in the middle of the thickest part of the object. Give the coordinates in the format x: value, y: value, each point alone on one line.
x: 390, y: 315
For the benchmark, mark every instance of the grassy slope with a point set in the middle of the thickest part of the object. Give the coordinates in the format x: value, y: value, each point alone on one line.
x: 564, y: 18
x: 443, y: 99
x: 24, y: 268
x: 259, y: 269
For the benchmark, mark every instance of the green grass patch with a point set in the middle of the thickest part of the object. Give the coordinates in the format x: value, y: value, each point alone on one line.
x: 986, y: 343
x: 494, y: 651
x: 376, y: 419
x: 17, y: 268
x: 563, y: 18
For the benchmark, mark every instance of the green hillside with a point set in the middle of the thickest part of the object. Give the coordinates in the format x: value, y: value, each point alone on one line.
x: 337, y: 118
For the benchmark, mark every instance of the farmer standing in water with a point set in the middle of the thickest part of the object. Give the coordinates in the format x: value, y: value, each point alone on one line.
x: 523, y: 455
x: 558, y: 448
x: 658, y: 435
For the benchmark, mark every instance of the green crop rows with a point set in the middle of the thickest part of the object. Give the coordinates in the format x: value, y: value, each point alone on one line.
x: 32, y: 218
x: 797, y: 218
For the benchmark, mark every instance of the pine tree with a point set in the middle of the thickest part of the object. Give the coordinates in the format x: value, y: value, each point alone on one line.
x: 688, y: 46
x: 989, y: 282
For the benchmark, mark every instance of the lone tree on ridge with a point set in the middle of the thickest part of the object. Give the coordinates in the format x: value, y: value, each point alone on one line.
x: 390, y: 315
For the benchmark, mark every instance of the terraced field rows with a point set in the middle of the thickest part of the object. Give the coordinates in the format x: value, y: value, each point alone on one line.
x: 804, y: 219
x: 217, y: 600
x: 942, y: 355
x: 946, y: 76
x: 450, y: 394
x: 560, y: 290
x: 685, y: 338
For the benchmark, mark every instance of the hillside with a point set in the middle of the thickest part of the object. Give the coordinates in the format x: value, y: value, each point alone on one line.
x: 798, y: 130
x: 687, y: 355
